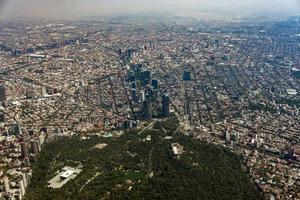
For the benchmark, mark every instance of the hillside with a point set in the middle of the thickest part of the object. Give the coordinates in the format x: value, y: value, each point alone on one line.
x: 141, y: 165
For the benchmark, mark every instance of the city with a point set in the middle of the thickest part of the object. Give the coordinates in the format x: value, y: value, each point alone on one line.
x: 235, y: 85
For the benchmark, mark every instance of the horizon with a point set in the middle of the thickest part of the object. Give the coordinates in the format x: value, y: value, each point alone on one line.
x: 214, y: 9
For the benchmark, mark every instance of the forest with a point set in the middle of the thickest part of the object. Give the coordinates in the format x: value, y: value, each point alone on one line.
x: 131, y: 167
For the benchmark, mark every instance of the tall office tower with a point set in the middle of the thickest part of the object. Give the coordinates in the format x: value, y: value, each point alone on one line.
x: 40, y: 141
x: 129, y: 54
x: 147, y: 110
x: 6, y: 184
x: 2, y: 117
x: 142, y: 96
x: 34, y: 147
x: 25, y: 180
x: 147, y: 94
x: 133, y: 85
x: 44, y: 91
x: 146, y: 75
x: 151, y: 95
x: 2, y: 93
x: 134, y: 95
x: 166, y: 105
x: 296, y: 72
x: 21, y: 187
x: 24, y: 150
x: 152, y: 44
x: 186, y: 75
x: 154, y: 83
x: 119, y: 51
x: 16, y: 129
x: 131, y: 78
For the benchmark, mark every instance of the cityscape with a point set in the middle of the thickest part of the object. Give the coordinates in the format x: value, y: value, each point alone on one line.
x: 232, y: 84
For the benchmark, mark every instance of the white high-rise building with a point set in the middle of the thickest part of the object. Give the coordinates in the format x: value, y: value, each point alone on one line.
x: 6, y: 184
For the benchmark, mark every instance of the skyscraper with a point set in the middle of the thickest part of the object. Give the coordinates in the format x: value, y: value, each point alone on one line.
x: 24, y: 150
x: 2, y: 93
x: 147, y: 111
x: 129, y: 54
x: 34, y: 147
x: 21, y: 187
x: 146, y: 75
x: 134, y: 95
x: 154, y: 83
x: 6, y: 184
x: 16, y: 129
x: 2, y: 117
x: 166, y: 105
x: 186, y: 75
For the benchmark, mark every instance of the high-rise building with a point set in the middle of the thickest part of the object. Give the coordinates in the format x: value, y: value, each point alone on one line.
x: 34, y: 147
x: 6, y: 184
x: 24, y: 150
x: 133, y: 85
x: 21, y: 187
x: 142, y: 96
x: 119, y: 51
x: 134, y: 95
x: 2, y: 93
x: 25, y: 180
x: 147, y: 111
x: 146, y: 75
x: 154, y: 83
x: 41, y: 139
x: 129, y: 53
x: 44, y: 91
x: 2, y: 117
x: 15, y: 129
x: 296, y: 72
x: 166, y: 105
x: 186, y: 75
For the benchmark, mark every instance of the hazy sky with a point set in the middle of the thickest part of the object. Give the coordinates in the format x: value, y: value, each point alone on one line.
x: 69, y: 8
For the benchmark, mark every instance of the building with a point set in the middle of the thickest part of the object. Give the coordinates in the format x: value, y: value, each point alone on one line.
x: 147, y: 110
x: 2, y: 93
x: 16, y: 53
x: 129, y: 54
x: 154, y: 84
x: 133, y: 85
x: 129, y: 124
x: 44, y: 91
x: 166, y: 105
x: 142, y: 96
x: 134, y: 95
x: 34, y: 147
x: 2, y: 117
x: 146, y: 75
x: 24, y: 150
x: 6, y: 185
x: 296, y: 72
x: 24, y: 178
x: 186, y: 75
x: 67, y: 173
x: 177, y: 149
x: 21, y: 187
x: 15, y: 129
